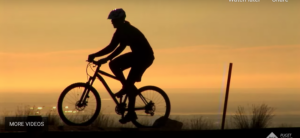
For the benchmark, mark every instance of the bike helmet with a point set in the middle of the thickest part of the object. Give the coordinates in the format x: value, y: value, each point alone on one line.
x: 117, y: 14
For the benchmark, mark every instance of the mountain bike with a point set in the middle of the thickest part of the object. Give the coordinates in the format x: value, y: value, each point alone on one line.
x: 85, y: 109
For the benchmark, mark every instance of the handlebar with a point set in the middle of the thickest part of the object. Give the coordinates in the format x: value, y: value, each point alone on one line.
x: 99, y: 62
x: 93, y: 63
x: 96, y: 62
x: 99, y: 65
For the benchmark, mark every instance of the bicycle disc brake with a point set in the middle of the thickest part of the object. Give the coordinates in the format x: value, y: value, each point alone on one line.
x: 81, y: 106
x: 150, y: 108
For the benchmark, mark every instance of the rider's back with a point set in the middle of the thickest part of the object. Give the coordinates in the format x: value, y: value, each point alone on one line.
x: 133, y: 37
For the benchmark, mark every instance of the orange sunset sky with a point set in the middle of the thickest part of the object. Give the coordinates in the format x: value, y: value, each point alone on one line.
x: 44, y: 45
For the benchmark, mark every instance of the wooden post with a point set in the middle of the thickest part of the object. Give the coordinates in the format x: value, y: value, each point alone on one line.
x: 226, y: 96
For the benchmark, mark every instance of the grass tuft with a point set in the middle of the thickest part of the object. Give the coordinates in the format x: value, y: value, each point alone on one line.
x: 260, y: 117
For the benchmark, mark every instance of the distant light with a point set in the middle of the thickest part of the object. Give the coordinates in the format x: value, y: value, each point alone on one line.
x: 31, y: 108
x: 40, y: 108
x: 54, y: 107
x: 37, y: 112
x: 66, y: 107
x: 70, y: 111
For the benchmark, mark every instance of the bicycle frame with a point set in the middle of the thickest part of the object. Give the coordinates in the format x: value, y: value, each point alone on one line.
x: 97, y: 75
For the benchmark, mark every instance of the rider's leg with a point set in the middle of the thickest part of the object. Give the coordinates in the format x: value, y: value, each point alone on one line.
x: 131, y: 93
x: 134, y: 75
x: 131, y: 97
x: 119, y: 64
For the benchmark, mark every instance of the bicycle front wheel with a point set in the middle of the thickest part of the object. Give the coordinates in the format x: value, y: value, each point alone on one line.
x: 157, y: 105
x: 71, y: 113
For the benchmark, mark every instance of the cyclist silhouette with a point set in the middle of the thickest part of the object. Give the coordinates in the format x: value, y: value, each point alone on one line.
x: 139, y: 59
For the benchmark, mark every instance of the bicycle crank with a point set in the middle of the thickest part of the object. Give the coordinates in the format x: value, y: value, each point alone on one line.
x: 120, y: 109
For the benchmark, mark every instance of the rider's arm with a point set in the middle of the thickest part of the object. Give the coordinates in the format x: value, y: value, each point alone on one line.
x: 111, y: 47
x: 117, y: 51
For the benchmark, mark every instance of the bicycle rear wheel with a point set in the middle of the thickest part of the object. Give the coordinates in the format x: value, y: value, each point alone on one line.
x: 73, y: 115
x: 158, y: 106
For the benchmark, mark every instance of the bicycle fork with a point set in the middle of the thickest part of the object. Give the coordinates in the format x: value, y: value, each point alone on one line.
x: 86, y: 92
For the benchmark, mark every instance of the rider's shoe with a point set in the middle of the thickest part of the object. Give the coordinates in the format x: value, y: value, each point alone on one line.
x: 128, y: 117
x: 121, y: 93
x: 124, y: 91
